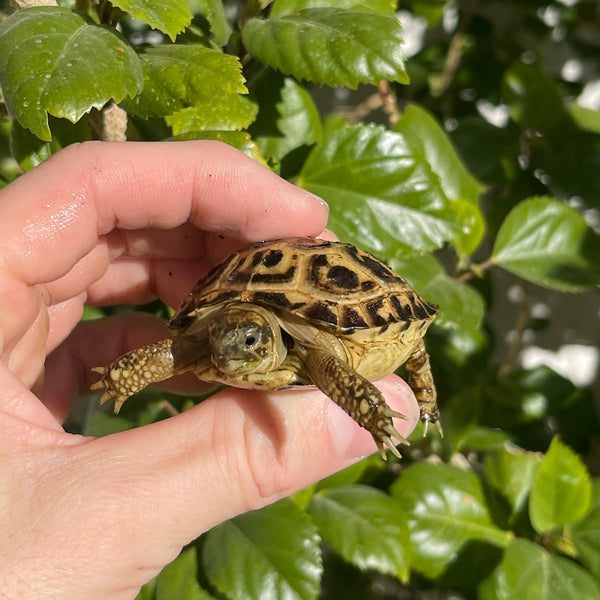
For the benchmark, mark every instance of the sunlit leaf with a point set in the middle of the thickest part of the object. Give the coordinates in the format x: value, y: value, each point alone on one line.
x: 179, y: 579
x: 382, y: 7
x: 47, y: 66
x: 329, y: 45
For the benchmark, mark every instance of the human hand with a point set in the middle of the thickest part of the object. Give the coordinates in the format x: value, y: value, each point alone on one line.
x: 112, y: 223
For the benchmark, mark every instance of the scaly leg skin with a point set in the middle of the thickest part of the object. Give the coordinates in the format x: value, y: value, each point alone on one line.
x: 357, y: 396
x: 134, y: 371
x: 421, y: 381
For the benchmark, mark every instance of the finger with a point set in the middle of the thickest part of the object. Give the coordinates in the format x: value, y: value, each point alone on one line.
x: 143, y: 186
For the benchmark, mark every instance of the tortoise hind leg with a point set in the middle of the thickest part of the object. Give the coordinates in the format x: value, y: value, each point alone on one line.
x: 357, y: 396
x: 420, y: 380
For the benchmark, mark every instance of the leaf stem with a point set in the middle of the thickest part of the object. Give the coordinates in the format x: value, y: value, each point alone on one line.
x: 476, y: 270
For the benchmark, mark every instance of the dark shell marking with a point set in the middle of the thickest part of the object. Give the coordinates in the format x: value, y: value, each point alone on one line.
x: 332, y: 284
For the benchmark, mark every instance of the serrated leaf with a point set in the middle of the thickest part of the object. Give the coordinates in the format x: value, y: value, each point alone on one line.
x: 549, y: 243
x: 181, y: 76
x: 286, y: 7
x: 460, y: 306
x: 430, y: 141
x: 365, y: 527
x: 585, y: 533
x: 510, y: 471
x: 269, y: 554
x: 530, y: 572
x: 446, y: 508
x: 238, y: 139
x: 169, y: 17
x: 561, y: 491
x: 383, y: 194
x: 213, y: 11
x: 330, y: 45
x: 179, y: 579
x: 228, y: 112
x: 298, y: 123
x: 57, y: 62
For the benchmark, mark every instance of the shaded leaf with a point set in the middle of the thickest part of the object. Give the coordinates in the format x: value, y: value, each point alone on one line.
x: 528, y: 571
x: 561, y: 491
x: 585, y: 533
x: 510, y: 471
x: 383, y: 194
x: 298, y: 123
x: 227, y: 112
x: 382, y: 7
x: 213, y: 11
x: 270, y: 553
x: 329, y: 45
x: 365, y: 527
x: 169, y: 17
x: 47, y: 67
x: 179, y: 579
x: 548, y: 243
x: 446, y: 509
x: 460, y: 305
x: 181, y: 76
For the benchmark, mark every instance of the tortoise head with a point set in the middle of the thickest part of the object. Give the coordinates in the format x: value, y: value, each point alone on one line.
x: 245, y: 338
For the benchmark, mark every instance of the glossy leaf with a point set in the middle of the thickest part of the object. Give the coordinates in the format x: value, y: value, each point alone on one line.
x: 365, y: 527
x: 585, y: 533
x: 561, y: 491
x: 47, y: 67
x: 169, y: 17
x: 460, y: 305
x: 181, y: 76
x: 510, y: 471
x: 238, y: 139
x: 547, y: 242
x: 269, y: 554
x: 430, y: 142
x: 213, y: 11
x: 529, y: 571
x: 179, y: 579
x: 383, y: 194
x: 446, y: 509
x: 329, y: 45
x: 298, y: 122
x: 228, y: 112
x: 286, y: 7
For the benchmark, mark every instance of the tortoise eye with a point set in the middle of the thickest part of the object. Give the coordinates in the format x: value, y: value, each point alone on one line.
x: 250, y: 341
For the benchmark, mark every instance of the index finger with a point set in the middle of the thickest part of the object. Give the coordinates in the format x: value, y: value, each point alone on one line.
x: 52, y: 216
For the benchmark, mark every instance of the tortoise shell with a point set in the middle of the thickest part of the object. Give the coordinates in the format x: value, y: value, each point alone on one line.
x: 331, y: 285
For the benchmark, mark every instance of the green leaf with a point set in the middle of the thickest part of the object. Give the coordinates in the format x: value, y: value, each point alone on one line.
x: 57, y: 62
x: 299, y: 122
x: 460, y: 306
x: 238, y: 139
x: 179, y: 579
x: 383, y: 193
x: 382, y: 7
x: 548, y: 243
x: 365, y: 527
x: 585, y: 533
x: 529, y: 572
x: 533, y: 98
x: 446, y: 508
x: 271, y: 553
x: 228, y: 112
x: 213, y: 11
x: 169, y: 17
x: 330, y: 45
x: 510, y: 471
x: 561, y: 491
x: 181, y: 76
x: 430, y: 142
x: 585, y: 118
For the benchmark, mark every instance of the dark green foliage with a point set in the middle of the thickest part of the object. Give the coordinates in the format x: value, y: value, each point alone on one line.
x: 478, y: 178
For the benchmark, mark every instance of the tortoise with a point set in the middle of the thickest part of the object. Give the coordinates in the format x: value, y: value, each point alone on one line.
x: 295, y: 311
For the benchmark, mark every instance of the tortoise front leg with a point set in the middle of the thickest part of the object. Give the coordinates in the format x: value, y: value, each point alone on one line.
x: 420, y: 380
x: 357, y: 396
x: 134, y: 371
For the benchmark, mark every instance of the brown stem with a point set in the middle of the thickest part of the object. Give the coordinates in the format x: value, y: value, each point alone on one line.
x: 389, y: 103
x: 475, y: 270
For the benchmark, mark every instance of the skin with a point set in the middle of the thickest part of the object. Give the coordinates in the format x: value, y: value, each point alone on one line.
x: 113, y: 223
